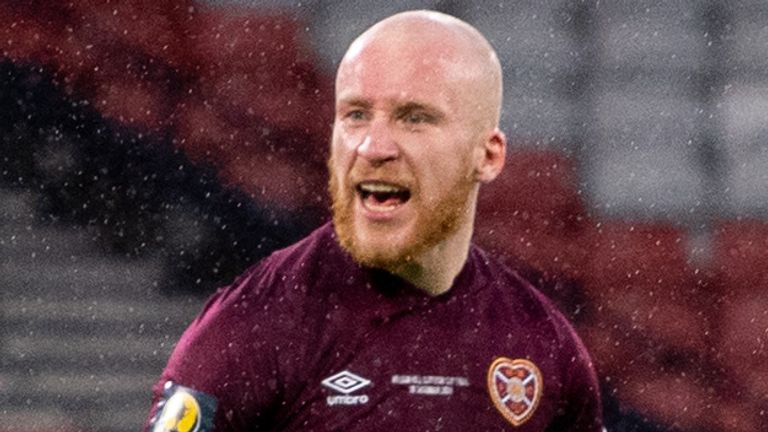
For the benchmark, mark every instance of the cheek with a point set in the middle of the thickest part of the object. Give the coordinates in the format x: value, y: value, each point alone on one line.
x: 444, y: 162
x: 342, y: 150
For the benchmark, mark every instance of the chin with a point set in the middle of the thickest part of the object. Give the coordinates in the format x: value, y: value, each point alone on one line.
x: 389, y: 246
x: 378, y: 248
x: 372, y: 244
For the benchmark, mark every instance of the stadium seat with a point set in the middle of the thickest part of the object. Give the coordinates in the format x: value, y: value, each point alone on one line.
x: 735, y: 414
x: 233, y: 88
x: 740, y: 255
x: 259, y: 67
x: 740, y: 259
x: 742, y: 345
x: 614, y: 350
x: 639, y: 275
x: 682, y: 401
x: 533, y: 211
x: 261, y: 109
x: 649, y: 330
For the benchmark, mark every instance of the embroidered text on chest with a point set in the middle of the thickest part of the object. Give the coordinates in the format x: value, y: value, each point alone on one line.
x: 430, y: 385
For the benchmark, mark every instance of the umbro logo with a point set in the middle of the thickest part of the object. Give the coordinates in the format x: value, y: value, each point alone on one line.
x: 346, y: 382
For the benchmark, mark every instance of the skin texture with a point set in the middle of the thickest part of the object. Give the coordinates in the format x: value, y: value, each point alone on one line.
x: 418, y: 97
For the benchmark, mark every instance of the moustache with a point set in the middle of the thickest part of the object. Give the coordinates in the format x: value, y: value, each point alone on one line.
x: 383, y: 175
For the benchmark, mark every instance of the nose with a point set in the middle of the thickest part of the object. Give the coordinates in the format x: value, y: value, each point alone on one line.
x: 378, y: 145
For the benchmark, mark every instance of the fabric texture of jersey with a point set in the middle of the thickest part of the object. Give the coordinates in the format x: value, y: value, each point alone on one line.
x: 307, y: 340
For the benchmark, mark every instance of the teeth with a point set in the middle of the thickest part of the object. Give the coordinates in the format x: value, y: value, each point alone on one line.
x: 379, y: 188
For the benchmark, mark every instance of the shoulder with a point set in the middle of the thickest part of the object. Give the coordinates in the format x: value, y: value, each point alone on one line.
x: 235, y: 349
x: 288, y: 272
x: 514, y: 291
x: 534, y: 313
x: 551, y: 338
x: 314, y: 256
x: 262, y: 302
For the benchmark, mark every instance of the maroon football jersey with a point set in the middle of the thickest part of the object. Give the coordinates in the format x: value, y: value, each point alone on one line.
x: 307, y: 340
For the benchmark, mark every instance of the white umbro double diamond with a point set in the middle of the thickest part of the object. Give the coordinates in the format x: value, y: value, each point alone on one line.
x: 345, y: 382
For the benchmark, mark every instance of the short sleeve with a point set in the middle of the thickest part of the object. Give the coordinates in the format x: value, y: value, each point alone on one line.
x: 581, y: 406
x: 224, y: 367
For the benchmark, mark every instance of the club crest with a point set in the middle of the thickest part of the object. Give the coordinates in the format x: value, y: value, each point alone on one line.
x: 515, y: 387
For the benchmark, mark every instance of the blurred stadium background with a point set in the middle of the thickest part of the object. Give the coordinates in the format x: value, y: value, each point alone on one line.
x: 150, y: 151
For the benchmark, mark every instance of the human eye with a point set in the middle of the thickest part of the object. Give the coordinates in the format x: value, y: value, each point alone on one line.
x: 417, y: 118
x: 354, y: 115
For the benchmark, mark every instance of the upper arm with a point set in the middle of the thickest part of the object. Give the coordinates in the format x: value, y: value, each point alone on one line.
x: 581, y: 405
x: 222, y: 366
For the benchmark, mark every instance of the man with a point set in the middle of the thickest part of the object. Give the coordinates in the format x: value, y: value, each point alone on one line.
x: 389, y: 318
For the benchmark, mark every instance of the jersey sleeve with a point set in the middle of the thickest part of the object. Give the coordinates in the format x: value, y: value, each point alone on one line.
x: 223, y: 373
x: 581, y: 406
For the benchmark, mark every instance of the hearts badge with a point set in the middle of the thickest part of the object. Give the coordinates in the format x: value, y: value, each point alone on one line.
x: 515, y: 387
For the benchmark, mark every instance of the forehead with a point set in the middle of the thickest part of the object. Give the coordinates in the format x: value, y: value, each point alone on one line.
x: 399, y: 71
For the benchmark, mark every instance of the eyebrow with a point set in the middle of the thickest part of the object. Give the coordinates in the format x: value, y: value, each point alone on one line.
x: 400, y: 110
x: 357, y: 102
x: 410, y: 107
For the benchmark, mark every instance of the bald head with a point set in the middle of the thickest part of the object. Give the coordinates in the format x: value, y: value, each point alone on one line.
x: 429, y: 43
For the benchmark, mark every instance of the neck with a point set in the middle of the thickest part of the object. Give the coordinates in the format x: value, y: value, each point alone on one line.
x: 435, y: 270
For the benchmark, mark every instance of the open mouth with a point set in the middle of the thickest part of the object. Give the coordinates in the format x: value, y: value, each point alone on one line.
x: 380, y: 197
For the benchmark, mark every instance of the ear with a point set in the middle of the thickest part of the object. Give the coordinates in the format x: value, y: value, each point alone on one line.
x: 491, y: 156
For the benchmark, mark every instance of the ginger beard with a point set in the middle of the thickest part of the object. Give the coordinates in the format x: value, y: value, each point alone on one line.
x: 435, y: 221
